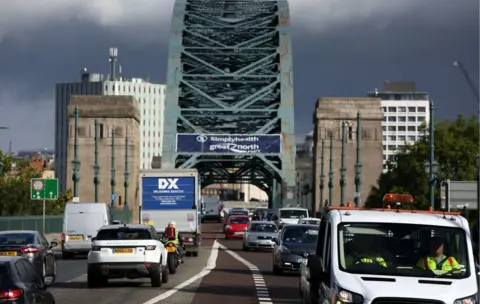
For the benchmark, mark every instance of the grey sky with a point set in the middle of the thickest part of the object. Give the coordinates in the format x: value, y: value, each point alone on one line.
x: 340, y: 48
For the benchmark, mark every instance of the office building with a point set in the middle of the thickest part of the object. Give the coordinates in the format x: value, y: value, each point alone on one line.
x: 151, y: 104
x: 405, y: 111
x: 117, y: 115
x: 328, y: 117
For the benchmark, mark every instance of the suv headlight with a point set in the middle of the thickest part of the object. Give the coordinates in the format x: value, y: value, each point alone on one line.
x: 345, y: 296
x: 467, y: 300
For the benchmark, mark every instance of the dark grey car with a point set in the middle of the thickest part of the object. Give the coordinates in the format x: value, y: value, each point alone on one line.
x: 34, y: 247
x: 293, y: 246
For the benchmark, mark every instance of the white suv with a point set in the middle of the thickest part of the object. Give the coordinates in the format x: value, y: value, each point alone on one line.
x: 127, y: 251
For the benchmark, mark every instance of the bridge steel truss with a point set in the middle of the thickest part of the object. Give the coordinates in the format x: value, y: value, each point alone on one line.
x: 230, y: 72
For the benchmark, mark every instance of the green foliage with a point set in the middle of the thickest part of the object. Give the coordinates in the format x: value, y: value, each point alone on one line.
x: 456, y: 147
x: 15, y: 190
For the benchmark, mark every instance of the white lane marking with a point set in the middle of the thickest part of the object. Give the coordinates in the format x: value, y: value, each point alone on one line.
x: 262, y: 291
x: 211, y: 264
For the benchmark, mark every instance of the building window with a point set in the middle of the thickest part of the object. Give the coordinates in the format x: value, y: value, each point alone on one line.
x: 392, y: 147
x: 392, y: 109
x: 411, y: 109
x: 411, y: 118
x: 392, y: 137
x: 412, y: 128
x: 421, y: 118
x: 366, y: 134
x: 401, y: 128
x: 100, y: 131
x: 384, y: 128
x: 402, y: 138
x: 82, y: 132
x: 402, y: 109
x: 422, y: 109
x: 384, y: 137
x: 384, y: 118
x: 392, y: 118
x: 402, y: 118
x: 392, y: 128
x: 411, y: 138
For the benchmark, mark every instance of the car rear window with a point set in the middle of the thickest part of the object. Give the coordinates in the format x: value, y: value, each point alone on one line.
x: 17, y: 238
x: 239, y: 220
x: 123, y: 234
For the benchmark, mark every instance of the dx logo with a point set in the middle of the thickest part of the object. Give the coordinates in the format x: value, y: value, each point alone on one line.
x: 167, y: 183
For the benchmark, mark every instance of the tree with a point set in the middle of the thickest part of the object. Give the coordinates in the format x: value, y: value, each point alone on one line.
x: 15, y: 190
x: 456, y: 147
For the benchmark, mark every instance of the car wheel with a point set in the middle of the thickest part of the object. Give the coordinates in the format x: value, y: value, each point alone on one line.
x: 165, y: 274
x: 156, y: 277
x: 94, y: 280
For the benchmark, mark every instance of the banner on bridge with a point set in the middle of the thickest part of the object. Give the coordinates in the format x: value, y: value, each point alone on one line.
x: 237, y: 143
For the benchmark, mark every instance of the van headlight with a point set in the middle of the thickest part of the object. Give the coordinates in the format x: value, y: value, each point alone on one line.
x: 467, y: 300
x: 345, y: 296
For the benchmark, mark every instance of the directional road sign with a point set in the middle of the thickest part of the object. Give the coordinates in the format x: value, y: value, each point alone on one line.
x: 44, y: 189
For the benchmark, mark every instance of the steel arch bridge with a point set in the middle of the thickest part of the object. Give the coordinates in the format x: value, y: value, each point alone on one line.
x: 230, y: 73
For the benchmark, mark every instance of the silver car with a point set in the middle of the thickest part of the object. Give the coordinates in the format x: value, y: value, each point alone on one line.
x: 259, y: 235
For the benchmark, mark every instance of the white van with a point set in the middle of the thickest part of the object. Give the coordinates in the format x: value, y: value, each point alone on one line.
x: 385, y: 256
x: 289, y: 215
x: 81, y: 222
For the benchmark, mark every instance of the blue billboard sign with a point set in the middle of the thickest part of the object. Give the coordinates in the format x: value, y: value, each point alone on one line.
x: 168, y: 193
x: 219, y: 143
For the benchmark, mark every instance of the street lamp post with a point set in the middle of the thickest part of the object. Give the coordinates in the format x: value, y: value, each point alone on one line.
x: 358, y: 164
x: 96, y: 167
x: 113, y: 178
x: 342, y: 168
x: 431, y: 165
x: 322, y: 172
x: 330, y: 174
x: 76, y: 161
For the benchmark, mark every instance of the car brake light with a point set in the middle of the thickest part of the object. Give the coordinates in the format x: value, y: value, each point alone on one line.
x: 29, y: 250
x: 96, y: 248
x: 63, y: 238
x: 12, y: 294
x: 150, y: 247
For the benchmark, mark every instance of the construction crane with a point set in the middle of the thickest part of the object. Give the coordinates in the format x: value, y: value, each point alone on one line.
x: 468, y: 78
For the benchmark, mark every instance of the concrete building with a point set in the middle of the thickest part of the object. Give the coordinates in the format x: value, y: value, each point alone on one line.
x: 151, y: 104
x: 328, y: 117
x: 405, y: 110
x: 117, y: 114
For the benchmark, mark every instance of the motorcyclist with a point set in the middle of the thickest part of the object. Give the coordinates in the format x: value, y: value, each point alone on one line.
x: 176, y: 240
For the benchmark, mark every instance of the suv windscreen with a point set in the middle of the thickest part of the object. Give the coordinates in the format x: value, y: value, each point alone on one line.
x: 403, y: 250
x: 293, y: 214
x: 123, y: 234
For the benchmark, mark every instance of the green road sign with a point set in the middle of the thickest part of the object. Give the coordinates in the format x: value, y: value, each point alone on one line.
x: 44, y: 189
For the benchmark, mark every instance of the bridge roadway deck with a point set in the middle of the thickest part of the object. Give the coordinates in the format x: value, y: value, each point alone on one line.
x: 230, y: 280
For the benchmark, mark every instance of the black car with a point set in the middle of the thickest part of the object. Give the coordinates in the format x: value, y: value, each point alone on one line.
x: 33, y: 246
x: 293, y: 246
x: 20, y: 283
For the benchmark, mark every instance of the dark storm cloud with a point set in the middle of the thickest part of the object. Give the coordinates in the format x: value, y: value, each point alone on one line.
x: 347, y: 59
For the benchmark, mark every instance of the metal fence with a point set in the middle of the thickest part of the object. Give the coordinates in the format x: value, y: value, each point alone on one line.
x: 53, y: 223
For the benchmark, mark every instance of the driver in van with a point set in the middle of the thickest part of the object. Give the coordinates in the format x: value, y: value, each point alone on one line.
x: 436, y: 259
x: 362, y: 251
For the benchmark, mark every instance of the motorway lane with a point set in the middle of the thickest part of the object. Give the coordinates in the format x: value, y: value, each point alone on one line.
x: 282, y: 289
x: 71, y: 285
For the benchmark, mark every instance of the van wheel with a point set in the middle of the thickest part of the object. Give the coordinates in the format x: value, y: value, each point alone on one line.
x: 156, y: 277
x: 165, y: 274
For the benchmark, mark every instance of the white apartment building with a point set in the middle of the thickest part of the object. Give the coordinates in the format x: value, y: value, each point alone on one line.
x: 404, y: 114
x: 151, y: 104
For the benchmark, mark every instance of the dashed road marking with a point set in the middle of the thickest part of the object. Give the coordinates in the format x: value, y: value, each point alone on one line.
x: 261, y: 287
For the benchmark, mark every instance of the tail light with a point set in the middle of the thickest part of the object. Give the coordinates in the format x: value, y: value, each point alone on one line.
x: 186, y: 239
x: 29, y: 250
x: 63, y: 238
x: 150, y: 247
x: 12, y: 294
x: 96, y: 248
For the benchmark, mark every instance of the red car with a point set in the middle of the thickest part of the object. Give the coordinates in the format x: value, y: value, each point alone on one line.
x: 236, y: 225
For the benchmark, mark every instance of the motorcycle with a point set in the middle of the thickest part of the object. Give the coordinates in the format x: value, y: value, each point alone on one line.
x: 173, y: 258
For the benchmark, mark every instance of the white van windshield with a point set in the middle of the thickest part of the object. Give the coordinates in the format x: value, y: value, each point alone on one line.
x: 403, y: 250
x: 293, y: 214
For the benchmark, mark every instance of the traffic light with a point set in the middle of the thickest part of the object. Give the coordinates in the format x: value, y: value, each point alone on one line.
x: 445, y: 195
